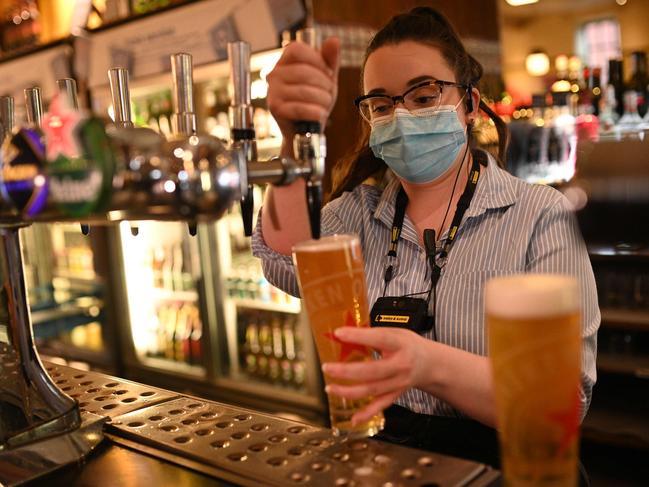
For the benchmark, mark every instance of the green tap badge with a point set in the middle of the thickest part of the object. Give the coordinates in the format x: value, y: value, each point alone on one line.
x: 80, y: 160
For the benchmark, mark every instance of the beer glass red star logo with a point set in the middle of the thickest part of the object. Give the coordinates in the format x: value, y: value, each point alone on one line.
x: 59, y: 125
x: 569, y: 421
x: 346, y: 349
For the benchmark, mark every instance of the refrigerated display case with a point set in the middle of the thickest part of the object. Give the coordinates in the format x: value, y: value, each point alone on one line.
x: 196, y: 311
x: 69, y: 294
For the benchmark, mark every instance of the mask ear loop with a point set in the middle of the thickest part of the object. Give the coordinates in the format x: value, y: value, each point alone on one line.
x: 469, y: 94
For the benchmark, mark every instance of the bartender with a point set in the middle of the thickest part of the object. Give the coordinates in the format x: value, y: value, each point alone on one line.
x: 449, y: 219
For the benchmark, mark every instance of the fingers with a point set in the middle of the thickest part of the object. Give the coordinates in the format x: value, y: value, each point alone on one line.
x: 298, y: 53
x: 375, y: 407
x: 382, y: 339
x: 330, y: 51
x: 303, y: 85
x: 397, y: 383
x: 366, y: 371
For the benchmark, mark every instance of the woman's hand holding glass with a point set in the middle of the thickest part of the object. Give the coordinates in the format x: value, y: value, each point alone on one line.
x: 304, y: 84
x: 404, y: 364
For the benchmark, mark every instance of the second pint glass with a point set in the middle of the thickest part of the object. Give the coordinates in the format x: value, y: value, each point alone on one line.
x: 332, y: 285
x: 535, y: 351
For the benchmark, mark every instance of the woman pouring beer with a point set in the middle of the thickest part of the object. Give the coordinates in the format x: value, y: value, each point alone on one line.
x: 449, y: 219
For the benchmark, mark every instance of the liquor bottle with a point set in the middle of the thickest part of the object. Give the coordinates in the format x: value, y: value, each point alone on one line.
x: 608, y: 115
x: 616, y: 80
x: 170, y: 332
x: 157, y: 262
x: 274, y: 369
x: 196, y: 336
x: 631, y: 120
x: 639, y: 81
x: 299, y: 365
x: 177, y: 266
x: 182, y: 350
x: 167, y: 268
x: 286, y: 363
x: 251, y: 346
x: 595, y: 87
x: 266, y: 346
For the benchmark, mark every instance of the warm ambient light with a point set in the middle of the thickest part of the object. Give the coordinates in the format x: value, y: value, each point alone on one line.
x: 537, y: 63
x: 516, y: 3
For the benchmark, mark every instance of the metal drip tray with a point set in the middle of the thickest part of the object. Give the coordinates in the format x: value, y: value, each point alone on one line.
x: 264, y: 450
x: 105, y: 395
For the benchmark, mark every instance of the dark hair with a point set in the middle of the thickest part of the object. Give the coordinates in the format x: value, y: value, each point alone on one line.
x: 427, y: 26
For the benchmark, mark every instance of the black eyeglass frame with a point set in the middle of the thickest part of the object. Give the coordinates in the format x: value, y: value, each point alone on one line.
x: 401, y: 98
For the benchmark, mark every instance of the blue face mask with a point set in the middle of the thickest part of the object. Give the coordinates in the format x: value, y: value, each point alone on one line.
x: 419, y: 147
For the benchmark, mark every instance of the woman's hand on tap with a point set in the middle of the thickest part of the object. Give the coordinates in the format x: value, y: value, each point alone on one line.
x: 304, y: 84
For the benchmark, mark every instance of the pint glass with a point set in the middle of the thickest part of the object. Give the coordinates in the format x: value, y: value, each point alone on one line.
x: 535, y: 351
x: 332, y: 285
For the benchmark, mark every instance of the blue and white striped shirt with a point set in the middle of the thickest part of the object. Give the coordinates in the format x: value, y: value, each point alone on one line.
x: 510, y: 227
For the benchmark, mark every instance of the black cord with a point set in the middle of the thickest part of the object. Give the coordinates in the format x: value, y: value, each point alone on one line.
x: 459, y: 169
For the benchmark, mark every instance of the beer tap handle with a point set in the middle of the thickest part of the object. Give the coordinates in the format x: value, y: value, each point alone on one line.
x: 193, y: 228
x: 6, y: 116
x: 85, y: 229
x: 68, y: 90
x: 183, y: 121
x: 121, y: 98
x: 241, y: 121
x: 310, y: 148
x: 34, y: 106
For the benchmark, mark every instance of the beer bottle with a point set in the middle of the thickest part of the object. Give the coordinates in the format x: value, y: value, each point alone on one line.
x: 196, y: 336
x: 266, y: 346
x: 274, y: 371
x: 286, y: 363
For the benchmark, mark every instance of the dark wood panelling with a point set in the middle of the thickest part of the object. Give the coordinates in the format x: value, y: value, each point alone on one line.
x: 472, y: 18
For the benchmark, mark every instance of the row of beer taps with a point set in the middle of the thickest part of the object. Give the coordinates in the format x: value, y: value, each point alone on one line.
x: 142, y: 175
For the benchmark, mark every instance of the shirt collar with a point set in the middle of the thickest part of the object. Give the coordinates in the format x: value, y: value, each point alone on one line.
x: 495, y: 190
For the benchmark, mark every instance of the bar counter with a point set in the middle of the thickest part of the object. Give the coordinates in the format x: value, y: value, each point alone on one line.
x: 157, y: 437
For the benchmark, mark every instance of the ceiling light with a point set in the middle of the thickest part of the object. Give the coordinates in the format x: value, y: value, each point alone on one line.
x: 537, y: 63
x: 517, y: 3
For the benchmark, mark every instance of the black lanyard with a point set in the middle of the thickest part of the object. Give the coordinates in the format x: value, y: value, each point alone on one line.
x: 462, y: 205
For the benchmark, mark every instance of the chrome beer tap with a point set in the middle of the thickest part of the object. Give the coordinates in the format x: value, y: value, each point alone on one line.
x: 310, y: 147
x: 6, y: 116
x: 34, y: 106
x: 241, y: 123
x: 309, y: 143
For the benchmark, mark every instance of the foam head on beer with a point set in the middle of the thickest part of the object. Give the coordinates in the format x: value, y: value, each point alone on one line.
x: 532, y: 296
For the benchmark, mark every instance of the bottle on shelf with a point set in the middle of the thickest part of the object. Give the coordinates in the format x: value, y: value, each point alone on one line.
x: 616, y: 80
x: 639, y: 81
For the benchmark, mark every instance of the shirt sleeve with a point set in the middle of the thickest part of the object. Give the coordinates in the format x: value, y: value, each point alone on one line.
x: 558, y: 247
x: 278, y: 268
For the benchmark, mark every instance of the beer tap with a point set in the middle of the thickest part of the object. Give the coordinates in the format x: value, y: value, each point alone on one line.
x: 310, y: 147
x: 34, y: 106
x: 121, y: 97
x: 309, y: 143
x: 6, y: 116
x: 206, y: 176
x: 241, y: 122
x: 183, y: 120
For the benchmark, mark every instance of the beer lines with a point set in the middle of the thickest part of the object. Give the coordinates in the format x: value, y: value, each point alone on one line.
x: 534, y: 323
x: 332, y: 285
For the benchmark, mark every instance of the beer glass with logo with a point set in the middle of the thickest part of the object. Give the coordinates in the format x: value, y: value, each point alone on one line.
x: 534, y: 323
x: 332, y: 286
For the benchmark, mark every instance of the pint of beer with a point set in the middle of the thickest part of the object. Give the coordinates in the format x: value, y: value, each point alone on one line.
x: 332, y: 285
x: 535, y: 351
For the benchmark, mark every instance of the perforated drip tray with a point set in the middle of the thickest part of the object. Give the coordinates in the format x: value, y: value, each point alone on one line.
x: 104, y: 395
x: 277, y: 452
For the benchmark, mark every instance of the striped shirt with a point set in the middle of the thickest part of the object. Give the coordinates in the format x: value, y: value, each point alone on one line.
x: 510, y: 227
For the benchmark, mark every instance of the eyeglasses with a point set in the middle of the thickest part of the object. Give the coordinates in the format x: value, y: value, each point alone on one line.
x: 427, y: 94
